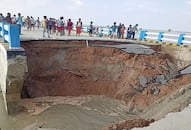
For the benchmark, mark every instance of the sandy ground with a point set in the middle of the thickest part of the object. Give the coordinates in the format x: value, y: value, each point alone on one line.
x: 65, y: 113
x: 173, y: 121
x: 85, y: 113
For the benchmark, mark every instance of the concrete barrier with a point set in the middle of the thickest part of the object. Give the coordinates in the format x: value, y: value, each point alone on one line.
x: 179, y: 38
x: 13, y: 66
x: 10, y: 33
x: 3, y: 72
x: 17, y: 67
x: 166, y: 37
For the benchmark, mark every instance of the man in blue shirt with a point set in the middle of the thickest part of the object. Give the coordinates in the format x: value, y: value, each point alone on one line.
x: 114, y: 30
x: 19, y: 22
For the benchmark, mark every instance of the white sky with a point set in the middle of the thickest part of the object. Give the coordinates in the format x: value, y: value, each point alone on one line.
x: 149, y: 14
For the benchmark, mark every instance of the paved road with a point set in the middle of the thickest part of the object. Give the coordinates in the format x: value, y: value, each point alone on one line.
x: 37, y: 34
x: 173, y: 121
x: 134, y: 47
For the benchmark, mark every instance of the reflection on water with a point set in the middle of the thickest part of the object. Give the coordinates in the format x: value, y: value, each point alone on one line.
x: 91, y: 115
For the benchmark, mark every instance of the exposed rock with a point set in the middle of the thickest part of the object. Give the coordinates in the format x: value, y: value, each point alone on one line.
x: 139, y: 88
x: 143, y: 81
x: 154, y: 90
x: 161, y: 79
x: 173, y: 69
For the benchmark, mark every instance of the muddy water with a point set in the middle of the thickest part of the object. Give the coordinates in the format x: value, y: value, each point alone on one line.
x: 91, y: 115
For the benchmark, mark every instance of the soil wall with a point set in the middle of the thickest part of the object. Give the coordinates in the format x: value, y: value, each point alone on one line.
x: 70, y: 68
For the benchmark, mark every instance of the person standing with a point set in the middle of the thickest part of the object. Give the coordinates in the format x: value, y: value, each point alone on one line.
x: 69, y: 26
x: 91, y: 29
x: 38, y: 22
x: 78, y: 27
x: 60, y: 26
x: 8, y: 18
x: 122, y: 30
x: 28, y: 23
x: 50, y: 25
x: 135, y: 29
x: 114, y: 31
x: 119, y: 31
x: 14, y: 19
x: 24, y: 21
x: 97, y: 31
x: 129, y: 31
x: 45, y: 26
x: 1, y: 17
x: 32, y: 23
x: 19, y: 22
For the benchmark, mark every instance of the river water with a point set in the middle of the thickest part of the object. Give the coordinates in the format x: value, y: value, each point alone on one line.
x: 91, y: 115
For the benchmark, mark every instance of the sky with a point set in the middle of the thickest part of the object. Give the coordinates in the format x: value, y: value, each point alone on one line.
x: 149, y: 14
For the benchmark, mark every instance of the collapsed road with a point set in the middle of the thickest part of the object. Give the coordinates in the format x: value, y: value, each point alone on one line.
x: 97, y: 84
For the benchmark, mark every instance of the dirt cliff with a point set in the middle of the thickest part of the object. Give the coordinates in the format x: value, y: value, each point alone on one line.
x: 72, y: 69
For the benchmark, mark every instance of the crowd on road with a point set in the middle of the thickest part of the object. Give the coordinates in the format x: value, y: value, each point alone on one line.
x: 61, y: 27
x: 119, y: 31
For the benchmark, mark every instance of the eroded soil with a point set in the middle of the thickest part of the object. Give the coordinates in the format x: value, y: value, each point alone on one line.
x: 149, y: 86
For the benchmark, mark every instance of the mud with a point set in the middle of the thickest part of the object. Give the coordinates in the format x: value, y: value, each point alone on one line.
x: 146, y: 80
x: 67, y: 113
x: 76, y: 70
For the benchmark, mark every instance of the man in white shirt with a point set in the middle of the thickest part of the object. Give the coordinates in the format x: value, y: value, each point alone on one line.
x: 135, y: 29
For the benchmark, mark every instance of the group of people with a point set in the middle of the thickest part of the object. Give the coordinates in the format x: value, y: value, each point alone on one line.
x: 60, y: 27
x: 119, y: 31
x: 12, y: 19
x: 50, y: 25
x: 21, y: 21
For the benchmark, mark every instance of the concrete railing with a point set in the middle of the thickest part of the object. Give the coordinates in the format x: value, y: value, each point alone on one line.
x: 166, y: 37
x: 176, y: 38
x: 10, y: 34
